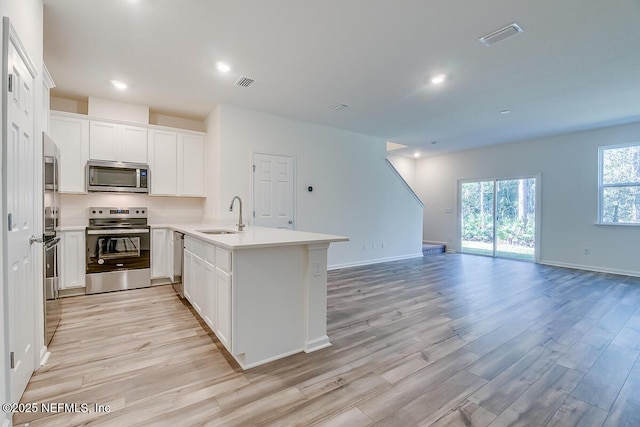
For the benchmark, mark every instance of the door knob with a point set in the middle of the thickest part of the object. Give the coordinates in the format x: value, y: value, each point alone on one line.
x: 33, y: 239
x: 290, y: 221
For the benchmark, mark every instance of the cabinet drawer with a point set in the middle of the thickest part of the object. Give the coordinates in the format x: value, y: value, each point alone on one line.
x: 223, y: 259
x: 188, y: 243
x: 198, y: 248
x: 210, y: 253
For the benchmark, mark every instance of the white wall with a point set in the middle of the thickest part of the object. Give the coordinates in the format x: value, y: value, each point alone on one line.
x: 26, y: 18
x: 74, y: 208
x: 569, y: 188
x: 406, y: 167
x: 355, y: 193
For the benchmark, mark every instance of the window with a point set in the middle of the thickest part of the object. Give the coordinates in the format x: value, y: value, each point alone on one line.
x: 619, y: 184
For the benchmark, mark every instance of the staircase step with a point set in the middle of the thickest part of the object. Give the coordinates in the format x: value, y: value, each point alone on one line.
x: 431, y: 248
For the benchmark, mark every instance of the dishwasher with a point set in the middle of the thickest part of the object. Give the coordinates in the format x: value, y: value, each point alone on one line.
x: 178, y: 256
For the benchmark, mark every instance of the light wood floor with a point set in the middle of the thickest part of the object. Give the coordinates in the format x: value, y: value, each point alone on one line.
x: 448, y: 340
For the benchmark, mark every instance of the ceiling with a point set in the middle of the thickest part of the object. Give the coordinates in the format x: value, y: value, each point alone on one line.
x: 575, y: 66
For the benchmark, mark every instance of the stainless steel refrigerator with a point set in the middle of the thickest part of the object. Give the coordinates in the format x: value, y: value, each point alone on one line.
x: 52, y: 309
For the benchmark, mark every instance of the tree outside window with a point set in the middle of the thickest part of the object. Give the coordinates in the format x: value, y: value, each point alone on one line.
x: 620, y: 184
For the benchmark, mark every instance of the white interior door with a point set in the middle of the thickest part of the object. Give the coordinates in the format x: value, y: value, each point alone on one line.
x: 19, y: 193
x: 273, y: 191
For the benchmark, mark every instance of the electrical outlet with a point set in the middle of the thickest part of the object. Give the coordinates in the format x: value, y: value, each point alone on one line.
x: 373, y: 245
x: 317, y: 271
x: 587, y: 251
x: 382, y: 245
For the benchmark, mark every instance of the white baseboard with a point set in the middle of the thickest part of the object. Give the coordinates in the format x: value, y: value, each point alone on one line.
x: 317, y: 344
x: 240, y: 359
x: 591, y: 268
x: 373, y: 261
x: 44, y: 358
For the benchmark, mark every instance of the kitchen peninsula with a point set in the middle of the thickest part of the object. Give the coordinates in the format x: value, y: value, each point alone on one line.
x: 262, y: 291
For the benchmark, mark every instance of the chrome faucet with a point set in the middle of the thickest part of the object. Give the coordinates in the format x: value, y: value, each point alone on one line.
x: 239, y: 224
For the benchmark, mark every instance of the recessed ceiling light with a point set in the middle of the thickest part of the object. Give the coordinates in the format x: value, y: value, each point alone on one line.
x: 440, y: 78
x: 118, y: 84
x: 503, y: 112
x: 416, y: 154
x: 223, y: 67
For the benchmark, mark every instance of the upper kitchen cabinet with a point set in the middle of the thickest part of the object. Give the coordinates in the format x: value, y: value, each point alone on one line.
x: 190, y: 165
x: 163, y: 154
x: 176, y: 160
x: 117, y: 142
x: 71, y: 135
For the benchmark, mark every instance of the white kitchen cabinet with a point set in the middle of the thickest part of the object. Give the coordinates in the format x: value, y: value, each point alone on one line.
x: 190, y: 165
x: 223, y: 308
x: 208, y: 287
x: 170, y: 256
x: 197, y: 283
x: 73, y: 261
x: 209, y: 307
x: 71, y: 135
x: 187, y: 283
x: 176, y: 160
x: 159, y: 253
x: 162, y: 155
x: 269, y: 292
x: 117, y: 142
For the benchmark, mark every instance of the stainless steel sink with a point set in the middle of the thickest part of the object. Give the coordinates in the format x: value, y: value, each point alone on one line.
x: 217, y: 231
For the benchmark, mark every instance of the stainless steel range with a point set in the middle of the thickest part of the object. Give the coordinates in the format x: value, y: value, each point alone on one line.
x: 118, y: 249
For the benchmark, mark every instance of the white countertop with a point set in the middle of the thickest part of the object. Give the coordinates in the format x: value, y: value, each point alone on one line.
x: 250, y: 237
x: 253, y: 237
x: 71, y: 228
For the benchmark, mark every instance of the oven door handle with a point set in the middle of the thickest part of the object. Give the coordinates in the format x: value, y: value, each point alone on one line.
x: 51, y: 243
x: 119, y: 231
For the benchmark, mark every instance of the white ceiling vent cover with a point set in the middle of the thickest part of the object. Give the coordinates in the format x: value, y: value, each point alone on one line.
x: 244, y: 81
x: 501, y: 34
x: 338, y: 107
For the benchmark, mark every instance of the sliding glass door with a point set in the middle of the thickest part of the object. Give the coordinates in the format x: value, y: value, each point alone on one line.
x: 498, y: 218
x: 477, y: 219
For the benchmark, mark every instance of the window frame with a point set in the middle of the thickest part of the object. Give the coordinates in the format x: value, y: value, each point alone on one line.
x: 602, y: 185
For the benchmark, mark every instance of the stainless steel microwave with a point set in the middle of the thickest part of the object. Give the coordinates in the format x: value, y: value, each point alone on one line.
x: 117, y: 177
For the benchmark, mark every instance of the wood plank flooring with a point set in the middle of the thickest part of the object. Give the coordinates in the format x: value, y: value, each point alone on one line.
x: 448, y: 340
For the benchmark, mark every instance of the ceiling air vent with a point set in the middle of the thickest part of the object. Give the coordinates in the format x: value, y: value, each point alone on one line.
x: 244, y: 81
x: 501, y: 34
x: 338, y: 107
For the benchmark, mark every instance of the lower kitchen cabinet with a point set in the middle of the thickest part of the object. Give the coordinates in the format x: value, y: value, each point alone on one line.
x: 197, y: 281
x: 160, y: 259
x: 209, y: 308
x: 73, y: 265
x: 224, y: 301
x: 171, y: 254
x: 208, y: 287
x: 187, y: 283
x: 263, y: 293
